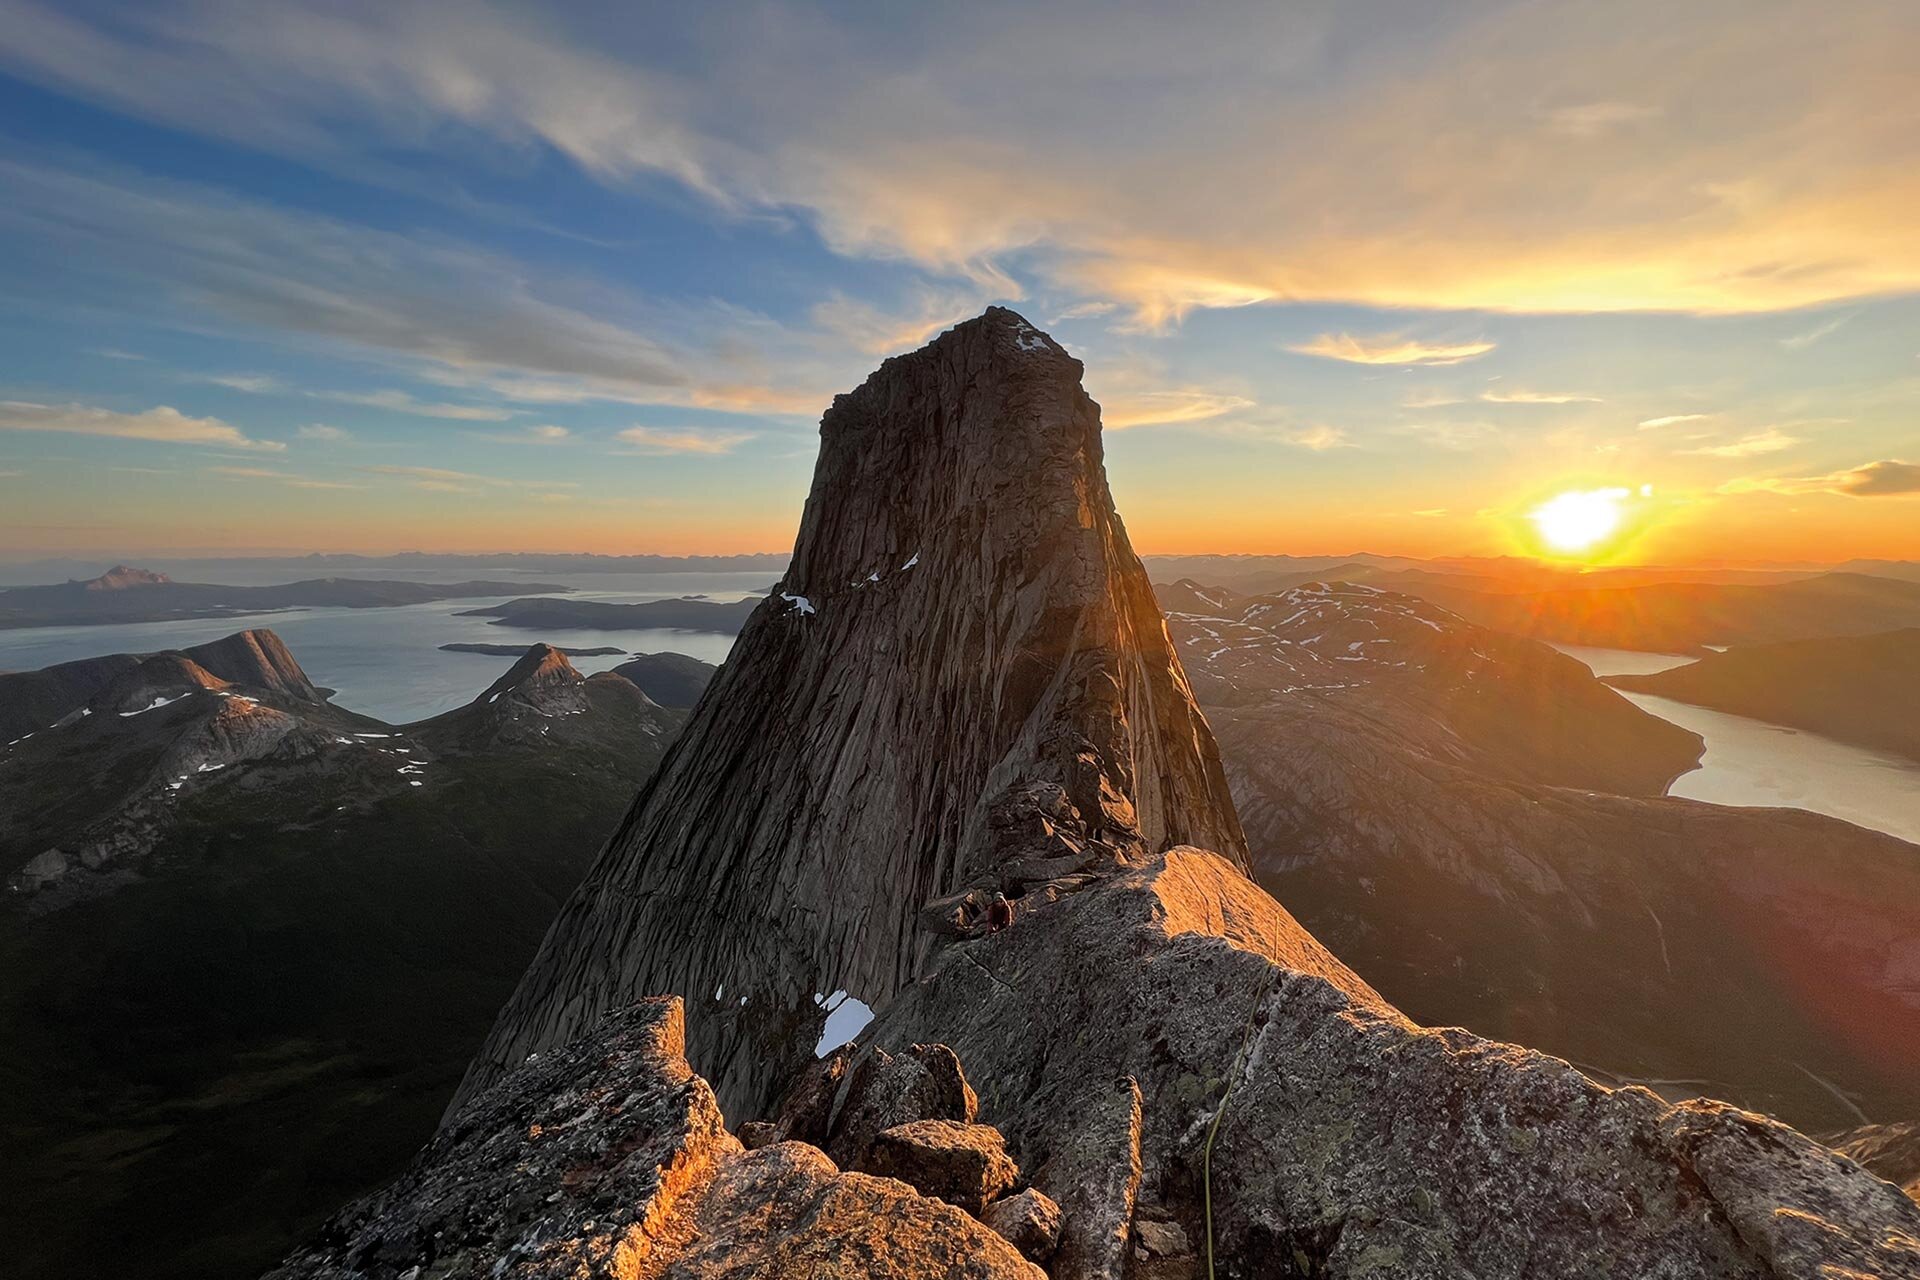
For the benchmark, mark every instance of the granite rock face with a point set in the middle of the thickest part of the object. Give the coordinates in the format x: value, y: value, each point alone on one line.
x: 1030, y: 1222
x: 609, y: 1157
x: 965, y: 1165
x: 962, y: 681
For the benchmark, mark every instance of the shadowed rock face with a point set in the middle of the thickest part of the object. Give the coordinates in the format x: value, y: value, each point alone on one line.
x: 610, y: 1158
x: 963, y: 669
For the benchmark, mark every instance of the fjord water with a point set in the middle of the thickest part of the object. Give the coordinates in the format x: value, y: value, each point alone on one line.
x: 388, y: 663
x: 1755, y: 764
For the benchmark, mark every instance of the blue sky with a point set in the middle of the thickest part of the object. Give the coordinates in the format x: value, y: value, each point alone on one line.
x: 465, y: 276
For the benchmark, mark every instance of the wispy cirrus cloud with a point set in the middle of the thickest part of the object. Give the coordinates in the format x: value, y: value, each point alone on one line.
x: 405, y: 402
x: 1806, y: 338
x: 1889, y: 477
x: 1595, y: 119
x: 1172, y: 406
x: 323, y: 432
x: 544, y: 434
x: 664, y: 440
x: 161, y: 424
x: 1391, y: 348
x: 1672, y: 420
x: 1772, y: 440
x: 1538, y: 397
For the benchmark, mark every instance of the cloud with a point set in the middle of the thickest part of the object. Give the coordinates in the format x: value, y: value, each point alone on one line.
x: 1429, y: 400
x: 1390, y: 348
x: 1672, y: 420
x: 1317, y: 437
x: 1889, y: 477
x: 250, y: 473
x: 322, y: 484
x: 1594, y: 119
x: 402, y: 402
x: 1170, y: 407
x: 438, y: 476
x: 321, y: 431
x: 544, y: 434
x: 1801, y: 341
x: 1108, y: 151
x: 1772, y: 440
x: 876, y: 331
x: 1537, y: 397
x: 161, y: 423
x: 257, y: 383
x: 658, y: 440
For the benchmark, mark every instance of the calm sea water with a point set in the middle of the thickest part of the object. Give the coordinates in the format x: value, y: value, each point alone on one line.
x: 387, y: 662
x: 1755, y: 764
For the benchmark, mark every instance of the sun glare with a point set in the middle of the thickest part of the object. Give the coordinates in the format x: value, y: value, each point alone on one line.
x: 1580, y: 520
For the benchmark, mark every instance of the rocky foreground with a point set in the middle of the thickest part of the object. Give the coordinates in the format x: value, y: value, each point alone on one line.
x: 963, y: 687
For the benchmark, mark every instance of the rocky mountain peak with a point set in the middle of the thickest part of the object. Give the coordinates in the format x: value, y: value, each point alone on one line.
x: 961, y: 686
x: 541, y: 668
x: 121, y: 576
x: 258, y: 659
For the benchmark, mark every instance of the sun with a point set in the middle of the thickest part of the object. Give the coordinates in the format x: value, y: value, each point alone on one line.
x: 1580, y: 520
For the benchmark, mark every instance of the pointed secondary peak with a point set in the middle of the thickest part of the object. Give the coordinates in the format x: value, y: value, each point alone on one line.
x: 541, y: 665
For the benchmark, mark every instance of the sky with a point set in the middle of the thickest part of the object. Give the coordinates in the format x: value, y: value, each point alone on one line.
x: 1384, y: 276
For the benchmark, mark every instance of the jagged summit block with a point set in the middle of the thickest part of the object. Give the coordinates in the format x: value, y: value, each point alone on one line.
x: 962, y: 682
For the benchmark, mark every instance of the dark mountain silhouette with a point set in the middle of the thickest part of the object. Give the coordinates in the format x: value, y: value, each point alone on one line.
x: 1859, y: 689
x: 1678, y: 617
x: 670, y: 679
x: 134, y: 595
x: 690, y: 614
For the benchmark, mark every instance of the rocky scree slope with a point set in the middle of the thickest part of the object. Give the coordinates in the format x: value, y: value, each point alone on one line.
x: 961, y: 684
x: 1153, y: 1031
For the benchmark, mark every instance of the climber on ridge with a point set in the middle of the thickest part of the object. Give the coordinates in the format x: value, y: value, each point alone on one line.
x: 999, y: 913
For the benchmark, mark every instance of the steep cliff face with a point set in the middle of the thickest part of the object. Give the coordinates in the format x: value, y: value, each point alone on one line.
x: 962, y: 681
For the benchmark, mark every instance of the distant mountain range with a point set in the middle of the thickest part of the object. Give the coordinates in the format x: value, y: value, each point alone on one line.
x: 690, y: 613
x: 1673, y: 617
x: 411, y: 563
x: 124, y: 594
x: 1476, y: 824
x: 1859, y: 689
x: 250, y: 938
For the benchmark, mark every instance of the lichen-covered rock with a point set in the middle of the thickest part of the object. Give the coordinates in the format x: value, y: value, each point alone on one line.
x: 1094, y: 1174
x: 1030, y: 1221
x: 924, y: 1082
x: 786, y: 1211
x: 755, y: 1134
x: 609, y: 1158
x: 965, y: 1165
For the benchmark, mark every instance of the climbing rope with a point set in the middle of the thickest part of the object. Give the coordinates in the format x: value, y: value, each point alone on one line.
x: 1213, y: 1130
